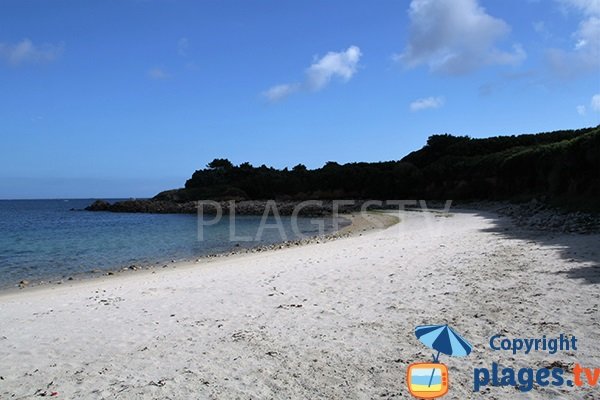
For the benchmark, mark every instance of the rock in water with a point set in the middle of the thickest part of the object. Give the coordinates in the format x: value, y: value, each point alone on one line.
x: 99, y: 205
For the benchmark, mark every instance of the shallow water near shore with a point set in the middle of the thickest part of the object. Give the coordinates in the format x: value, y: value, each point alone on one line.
x: 47, y: 240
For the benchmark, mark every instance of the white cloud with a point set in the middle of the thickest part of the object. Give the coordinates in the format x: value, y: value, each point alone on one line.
x: 595, y: 102
x: 581, y: 110
x: 280, y: 92
x: 426, y: 103
x: 455, y: 37
x: 319, y: 74
x: 26, y: 51
x: 182, y: 46
x: 588, y: 7
x: 584, y: 55
x: 158, y: 73
x: 342, y: 64
x: 588, y: 34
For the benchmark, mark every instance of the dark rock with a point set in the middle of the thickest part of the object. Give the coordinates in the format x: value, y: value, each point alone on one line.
x: 246, y: 207
x: 99, y: 205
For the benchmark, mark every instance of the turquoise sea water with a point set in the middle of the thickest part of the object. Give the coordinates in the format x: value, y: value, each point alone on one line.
x: 45, y: 239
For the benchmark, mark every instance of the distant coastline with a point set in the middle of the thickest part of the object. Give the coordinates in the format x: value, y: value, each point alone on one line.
x: 560, y: 169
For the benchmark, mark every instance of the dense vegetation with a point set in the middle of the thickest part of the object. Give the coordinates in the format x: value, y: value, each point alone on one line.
x: 557, y: 166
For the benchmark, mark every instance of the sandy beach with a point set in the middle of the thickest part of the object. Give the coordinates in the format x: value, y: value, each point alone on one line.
x: 331, y: 320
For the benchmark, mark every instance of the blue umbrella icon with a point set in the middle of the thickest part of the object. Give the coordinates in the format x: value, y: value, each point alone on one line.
x: 443, y: 339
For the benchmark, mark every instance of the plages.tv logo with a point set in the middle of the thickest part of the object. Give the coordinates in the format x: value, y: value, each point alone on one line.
x: 430, y: 380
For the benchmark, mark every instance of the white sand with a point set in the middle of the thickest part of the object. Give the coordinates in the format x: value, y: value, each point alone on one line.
x: 324, y: 321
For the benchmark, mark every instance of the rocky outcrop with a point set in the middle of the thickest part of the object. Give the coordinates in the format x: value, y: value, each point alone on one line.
x: 98, y: 205
x: 144, y: 206
x: 247, y: 207
x: 538, y: 215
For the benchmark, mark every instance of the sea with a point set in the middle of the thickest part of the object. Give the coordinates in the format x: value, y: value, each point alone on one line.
x: 53, y: 240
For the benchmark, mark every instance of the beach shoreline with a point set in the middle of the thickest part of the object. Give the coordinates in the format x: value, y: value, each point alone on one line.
x: 356, y: 224
x: 331, y: 320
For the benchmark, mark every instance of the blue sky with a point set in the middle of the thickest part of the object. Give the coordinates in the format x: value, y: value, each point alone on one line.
x: 127, y: 98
